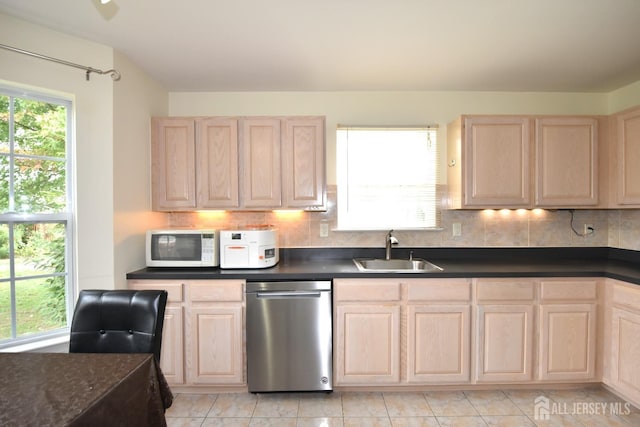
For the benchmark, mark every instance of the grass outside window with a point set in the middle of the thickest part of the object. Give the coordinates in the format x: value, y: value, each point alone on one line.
x: 30, y: 294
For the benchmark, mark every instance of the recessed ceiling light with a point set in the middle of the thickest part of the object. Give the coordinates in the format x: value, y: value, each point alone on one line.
x: 104, y: 1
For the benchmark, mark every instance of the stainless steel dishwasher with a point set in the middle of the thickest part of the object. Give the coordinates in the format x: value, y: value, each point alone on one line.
x: 289, y: 336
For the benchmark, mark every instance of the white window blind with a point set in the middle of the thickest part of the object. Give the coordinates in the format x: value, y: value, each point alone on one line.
x: 387, y: 178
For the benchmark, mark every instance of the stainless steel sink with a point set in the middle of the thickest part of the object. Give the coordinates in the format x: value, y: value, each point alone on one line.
x: 415, y: 265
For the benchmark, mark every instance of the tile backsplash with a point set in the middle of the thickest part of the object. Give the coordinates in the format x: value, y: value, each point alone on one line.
x: 507, y: 228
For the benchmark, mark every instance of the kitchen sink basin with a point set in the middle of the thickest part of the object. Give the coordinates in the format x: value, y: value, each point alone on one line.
x: 415, y: 265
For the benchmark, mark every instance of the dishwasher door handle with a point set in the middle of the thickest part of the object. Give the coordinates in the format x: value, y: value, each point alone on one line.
x: 292, y: 294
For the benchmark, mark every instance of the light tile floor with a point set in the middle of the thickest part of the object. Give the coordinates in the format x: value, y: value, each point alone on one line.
x: 508, y: 408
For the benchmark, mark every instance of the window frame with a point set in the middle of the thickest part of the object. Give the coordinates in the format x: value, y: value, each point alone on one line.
x: 66, y: 218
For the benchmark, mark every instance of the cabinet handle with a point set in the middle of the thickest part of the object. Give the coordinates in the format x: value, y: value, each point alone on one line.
x: 288, y: 294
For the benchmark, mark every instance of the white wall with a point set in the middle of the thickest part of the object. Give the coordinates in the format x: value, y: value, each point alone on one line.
x: 94, y: 131
x: 624, y: 97
x: 136, y: 99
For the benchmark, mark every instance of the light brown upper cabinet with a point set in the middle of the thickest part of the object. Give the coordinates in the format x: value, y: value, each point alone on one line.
x: 522, y: 162
x: 238, y: 163
x: 493, y: 161
x: 173, y: 178
x: 303, y: 162
x: 261, y: 176
x: 194, y: 163
x: 217, y: 163
x: 566, y: 161
x: 625, y: 158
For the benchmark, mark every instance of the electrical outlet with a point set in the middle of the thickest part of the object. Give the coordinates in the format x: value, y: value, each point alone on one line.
x: 324, y: 229
x: 588, y: 229
x: 456, y: 229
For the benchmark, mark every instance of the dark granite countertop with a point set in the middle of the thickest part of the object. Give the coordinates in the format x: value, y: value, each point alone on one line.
x: 330, y: 263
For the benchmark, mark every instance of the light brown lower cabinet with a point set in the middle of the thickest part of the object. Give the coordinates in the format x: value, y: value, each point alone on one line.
x: 625, y: 352
x: 438, y: 338
x: 172, y: 351
x: 215, y: 352
x: 567, y: 319
x: 567, y: 342
x: 394, y: 332
x: 464, y: 331
x: 366, y: 331
x: 505, y: 343
x: 504, y: 329
x: 203, y: 333
x: 172, y: 356
x: 369, y: 344
x: 438, y: 343
x: 556, y: 316
x: 623, y: 339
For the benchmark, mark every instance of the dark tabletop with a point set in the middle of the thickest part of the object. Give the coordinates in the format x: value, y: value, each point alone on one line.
x: 81, y: 389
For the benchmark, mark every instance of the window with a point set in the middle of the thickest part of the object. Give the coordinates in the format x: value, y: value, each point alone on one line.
x: 387, y: 178
x: 35, y: 216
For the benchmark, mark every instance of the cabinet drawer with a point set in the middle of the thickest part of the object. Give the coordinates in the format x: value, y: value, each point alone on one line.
x: 574, y: 290
x: 175, y: 292
x: 439, y: 290
x: 505, y: 290
x: 366, y: 290
x: 220, y: 290
x: 627, y: 296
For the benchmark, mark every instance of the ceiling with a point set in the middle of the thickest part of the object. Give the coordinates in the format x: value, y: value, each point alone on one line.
x: 302, y: 45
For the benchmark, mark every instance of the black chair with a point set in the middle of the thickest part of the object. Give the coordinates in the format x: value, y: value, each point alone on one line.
x: 118, y: 321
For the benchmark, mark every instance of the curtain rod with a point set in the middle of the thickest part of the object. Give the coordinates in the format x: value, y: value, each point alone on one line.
x: 115, y: 75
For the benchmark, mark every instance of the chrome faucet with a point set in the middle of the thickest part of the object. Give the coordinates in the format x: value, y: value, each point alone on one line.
x: 389, y: 241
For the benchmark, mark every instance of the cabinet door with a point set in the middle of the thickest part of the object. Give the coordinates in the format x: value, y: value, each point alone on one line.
x: 215, y: 344
x: 303, y: 168
x: 628, y: 157
x: 261, y: 173
x: 217, y: 154
x: 173, y: 165
x: 566, y: 161
x: 368, y: 344
x: 567, y: 341
x: 172, y: 352
x: 497, y: 161
x: 505, y: 343
x: 625, y: 353
x: 438, y: 341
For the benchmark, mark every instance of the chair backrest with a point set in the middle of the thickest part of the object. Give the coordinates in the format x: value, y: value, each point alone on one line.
x: 118, y: 321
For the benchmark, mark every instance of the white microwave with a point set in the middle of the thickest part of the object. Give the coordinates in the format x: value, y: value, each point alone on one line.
x: 182, y: 248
